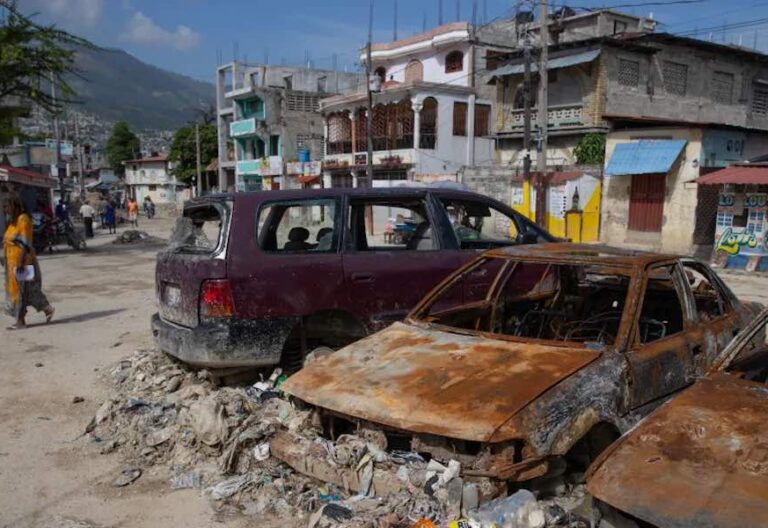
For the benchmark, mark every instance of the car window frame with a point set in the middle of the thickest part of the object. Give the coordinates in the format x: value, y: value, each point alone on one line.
x: 716, y: 282
x: 337, y: 221
x: 347, y: 245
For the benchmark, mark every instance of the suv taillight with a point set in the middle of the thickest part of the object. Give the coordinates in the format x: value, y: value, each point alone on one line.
x: 216, y: 299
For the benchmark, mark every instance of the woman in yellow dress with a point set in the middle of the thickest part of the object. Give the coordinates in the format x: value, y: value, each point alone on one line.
x: 18, y: 253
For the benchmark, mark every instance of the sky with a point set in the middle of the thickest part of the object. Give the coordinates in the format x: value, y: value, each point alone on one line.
x: 193, y: 36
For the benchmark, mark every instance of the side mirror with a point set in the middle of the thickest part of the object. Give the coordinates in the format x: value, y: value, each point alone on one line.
x: 528, y: 237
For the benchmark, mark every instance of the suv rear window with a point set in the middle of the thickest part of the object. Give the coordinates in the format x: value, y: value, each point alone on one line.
x: 200, y: 228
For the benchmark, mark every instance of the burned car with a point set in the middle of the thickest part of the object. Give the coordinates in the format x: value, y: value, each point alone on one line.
x: 262, y: 278
x: 701, y: 459
x: 524, y: 364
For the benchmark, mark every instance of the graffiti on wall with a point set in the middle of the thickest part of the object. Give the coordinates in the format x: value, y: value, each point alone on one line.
x: 733, y: 242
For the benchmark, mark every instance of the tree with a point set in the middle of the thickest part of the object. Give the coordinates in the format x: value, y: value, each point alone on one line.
x: 184, y: 154
x: 32, y: 57
x: 122, y: 145
x: 591, y: 149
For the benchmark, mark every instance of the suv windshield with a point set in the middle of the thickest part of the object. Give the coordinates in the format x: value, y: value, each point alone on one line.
x: 199, y: 230
x: 536, y: 300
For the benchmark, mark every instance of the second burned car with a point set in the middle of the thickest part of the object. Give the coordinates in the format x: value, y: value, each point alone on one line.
x: 525, y: 363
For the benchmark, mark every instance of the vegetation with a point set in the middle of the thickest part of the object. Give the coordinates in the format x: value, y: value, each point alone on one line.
x: 184, y: 152
x: 33, y: 58
x: 590, y: 150
x: 122, y: 145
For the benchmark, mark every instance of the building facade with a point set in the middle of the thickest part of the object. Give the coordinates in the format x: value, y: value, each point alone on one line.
x: 269, y: 123
x: 151, y: 177
x: 427, y: 121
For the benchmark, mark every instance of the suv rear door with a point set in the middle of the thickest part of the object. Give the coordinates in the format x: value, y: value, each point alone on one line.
x: 196, y: 252
x: 394, y: 253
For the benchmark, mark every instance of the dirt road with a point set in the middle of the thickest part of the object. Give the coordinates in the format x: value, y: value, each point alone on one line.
x: 50, y: 473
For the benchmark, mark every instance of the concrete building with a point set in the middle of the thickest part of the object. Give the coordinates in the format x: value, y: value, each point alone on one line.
x: 268, y: 120
x: 151, y: 176
x: 428, y: 121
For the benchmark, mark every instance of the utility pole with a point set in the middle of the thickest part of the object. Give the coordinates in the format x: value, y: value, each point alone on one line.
x: 527, y: 116
x: 198, y: 180
x: 543, y: 117
x: 79, y: 151
x: 56, y: 134
x: 369, y: 119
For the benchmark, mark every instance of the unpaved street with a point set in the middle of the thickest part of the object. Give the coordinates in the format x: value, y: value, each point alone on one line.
x: 49, y: 471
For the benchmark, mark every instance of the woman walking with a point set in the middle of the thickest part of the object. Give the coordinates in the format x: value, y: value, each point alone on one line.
x: 22, y: 289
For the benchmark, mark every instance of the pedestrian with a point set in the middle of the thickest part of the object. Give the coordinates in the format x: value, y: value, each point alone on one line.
x: 133, y: 212
x: 101, y: 208
x: 87, y: 213
x: 22, y: 288
x: 149, y: 207
x: 62, y: 211
x: 109, y: 217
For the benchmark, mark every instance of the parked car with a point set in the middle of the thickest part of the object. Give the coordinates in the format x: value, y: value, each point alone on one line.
x: 254, y: 279
x: 525, y: 363
x: 701, y: 459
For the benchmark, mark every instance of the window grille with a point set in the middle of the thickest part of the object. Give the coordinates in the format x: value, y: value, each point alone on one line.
x: 675, y: 77
x: 722, y: 87
x: 629, y: 72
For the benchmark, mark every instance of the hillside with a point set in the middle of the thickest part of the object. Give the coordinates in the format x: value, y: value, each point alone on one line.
x: 116, y: 85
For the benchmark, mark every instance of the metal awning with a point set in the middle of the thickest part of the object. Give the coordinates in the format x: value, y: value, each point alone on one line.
x: 552, y: 64
x: 26, y: 177
x: 737, y: 175
x: 646, y: 156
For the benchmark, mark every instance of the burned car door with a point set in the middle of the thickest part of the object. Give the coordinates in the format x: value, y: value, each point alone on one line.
x: 701, y: 459
x: 393, y: 255
x: 665, y: 340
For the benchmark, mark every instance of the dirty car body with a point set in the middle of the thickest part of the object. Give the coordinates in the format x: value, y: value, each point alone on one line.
x: 701, y: 459
x: 255, y: 279
x: 527, y: 356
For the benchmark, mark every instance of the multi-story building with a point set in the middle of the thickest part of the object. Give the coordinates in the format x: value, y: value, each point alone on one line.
x: 428, y: 120
x: 268, y: 119
x: 151, y: 176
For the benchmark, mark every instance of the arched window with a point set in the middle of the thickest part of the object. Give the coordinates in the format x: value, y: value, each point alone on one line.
x: 339, y: 133
x: 454, y: 62
x: 428, y: 124
x: 414, y: 71
x: 393, y: 126
x: 381, y: 73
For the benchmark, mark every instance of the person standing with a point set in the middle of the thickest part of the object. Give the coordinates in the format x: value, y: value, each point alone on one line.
x: 62, y: 211
x: 133, y: 212
x: 87, y: 212
x: 101, y: 208
x: 21, y: 288
x: 109, y: 217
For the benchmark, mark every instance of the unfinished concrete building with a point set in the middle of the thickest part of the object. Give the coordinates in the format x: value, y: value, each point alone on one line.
x: 270, y: 133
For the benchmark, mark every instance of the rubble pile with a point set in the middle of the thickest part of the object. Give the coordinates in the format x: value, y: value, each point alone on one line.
x: 134, y: 236
x: 217, y: 440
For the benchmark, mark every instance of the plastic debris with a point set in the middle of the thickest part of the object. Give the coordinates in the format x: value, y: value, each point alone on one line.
x: 126, y: 476
x: 187, y: 480
x: 261, y: 451
x: 519, y: 510
x: 229, y: 487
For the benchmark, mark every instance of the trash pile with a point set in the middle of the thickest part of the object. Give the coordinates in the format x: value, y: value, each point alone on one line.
x: 134, y: 236
x: 218, y: 439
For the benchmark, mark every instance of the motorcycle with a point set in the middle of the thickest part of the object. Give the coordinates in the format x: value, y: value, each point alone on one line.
x: 49, y: 233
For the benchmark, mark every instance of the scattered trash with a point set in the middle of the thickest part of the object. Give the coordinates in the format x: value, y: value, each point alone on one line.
x: 126, y: 476
x: 78, y: 399
x: 519, y: 510
x: 229, y: 487
x: 133, y: 236
x: 206, y: 417
x: 261, y: 452
x: 158, y: 437
x: 187, y: 481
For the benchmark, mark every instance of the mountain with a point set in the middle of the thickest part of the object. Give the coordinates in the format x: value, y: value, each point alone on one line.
x: 114, y: 85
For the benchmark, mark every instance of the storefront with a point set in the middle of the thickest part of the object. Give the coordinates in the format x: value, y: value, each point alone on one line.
x: 30, y: 186
x: 741, y: 224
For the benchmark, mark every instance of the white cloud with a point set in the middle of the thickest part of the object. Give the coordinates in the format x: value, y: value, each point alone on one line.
x: 141, y: 29
x: 76, y: 13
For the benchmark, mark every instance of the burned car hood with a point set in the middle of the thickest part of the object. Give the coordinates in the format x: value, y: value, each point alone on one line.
x: 699, y: 460
x: 429, y: 381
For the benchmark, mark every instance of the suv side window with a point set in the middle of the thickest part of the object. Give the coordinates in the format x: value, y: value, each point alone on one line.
x: 708, y: 299
x: 662, y: 314
x: 479, y: 226
x: 387, y: 225
x: 298, y: 226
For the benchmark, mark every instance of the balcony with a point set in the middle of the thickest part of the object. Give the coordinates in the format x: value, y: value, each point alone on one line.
x: 243, y: 127
x: 269, y: 166
x: 558, y: 117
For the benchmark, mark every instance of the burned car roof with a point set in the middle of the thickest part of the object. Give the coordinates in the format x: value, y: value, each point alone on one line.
x: 420, y: 380
x: 580, y: 253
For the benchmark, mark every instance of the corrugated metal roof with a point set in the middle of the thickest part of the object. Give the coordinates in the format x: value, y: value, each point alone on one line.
x: 552, y: 63
x: 646, y: 156
x: 736, y: 175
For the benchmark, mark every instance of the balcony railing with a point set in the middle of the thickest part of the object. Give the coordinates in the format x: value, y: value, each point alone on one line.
x: 243, y: 127
x: 557, y: 116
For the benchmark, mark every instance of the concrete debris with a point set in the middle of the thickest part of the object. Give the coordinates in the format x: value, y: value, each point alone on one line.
x: 133, y: 236
x: 225, y: 440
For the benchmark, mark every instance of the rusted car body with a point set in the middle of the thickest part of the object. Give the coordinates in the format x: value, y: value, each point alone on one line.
x: 256, y: 279
x: 523, y: 359
x: 701, y: 459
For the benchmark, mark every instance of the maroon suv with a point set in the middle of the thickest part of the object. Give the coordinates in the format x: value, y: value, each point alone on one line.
x: 255, y: 279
